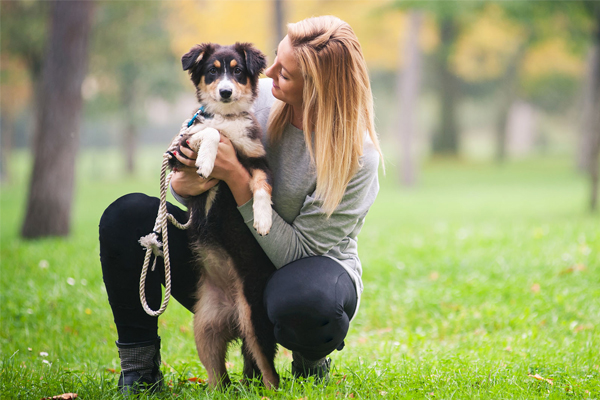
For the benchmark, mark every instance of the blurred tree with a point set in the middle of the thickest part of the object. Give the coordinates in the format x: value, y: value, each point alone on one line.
x: 131, y: 58
x: 551, y: 23
x: 408, y: 89
x: 56, y: 139
x: 23, y: 29
x: 279, y: 30
x: 590, y: 143
x: 449, y: 17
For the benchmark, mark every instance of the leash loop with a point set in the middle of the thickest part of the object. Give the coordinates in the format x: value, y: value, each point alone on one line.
x: 151, y: 242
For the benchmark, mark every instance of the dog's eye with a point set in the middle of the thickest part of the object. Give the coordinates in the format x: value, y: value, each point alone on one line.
x: 237, y: 71
x: 212, y: 71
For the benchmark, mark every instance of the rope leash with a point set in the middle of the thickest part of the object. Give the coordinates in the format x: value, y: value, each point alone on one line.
x: 151, y: 243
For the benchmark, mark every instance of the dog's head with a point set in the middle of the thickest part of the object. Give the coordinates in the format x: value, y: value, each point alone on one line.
x: 226, y: 77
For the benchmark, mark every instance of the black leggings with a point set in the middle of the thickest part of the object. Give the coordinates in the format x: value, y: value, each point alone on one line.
x: 310, y: 301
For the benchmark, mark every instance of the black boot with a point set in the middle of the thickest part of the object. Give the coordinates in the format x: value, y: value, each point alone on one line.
x: 302, y: 367
x: 140, y: 367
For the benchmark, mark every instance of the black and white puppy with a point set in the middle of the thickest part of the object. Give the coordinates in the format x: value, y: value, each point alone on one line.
x: 234, y: 267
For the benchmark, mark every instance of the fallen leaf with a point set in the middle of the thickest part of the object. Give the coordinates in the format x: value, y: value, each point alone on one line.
x: 64, y: 396
x: 434, y: 276
x: 535, y: 288
x: 351, y: 395
x: 573, y: 268
x: 111, y: 370
x: 196, y: 380
x: 508, y: 348
x: 541, y: 378
x: 580, y: 328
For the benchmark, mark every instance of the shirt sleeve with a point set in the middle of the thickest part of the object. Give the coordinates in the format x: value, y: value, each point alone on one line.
x: 312, y: 233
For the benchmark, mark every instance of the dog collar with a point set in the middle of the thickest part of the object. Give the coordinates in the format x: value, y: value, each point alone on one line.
x: 200, y: 113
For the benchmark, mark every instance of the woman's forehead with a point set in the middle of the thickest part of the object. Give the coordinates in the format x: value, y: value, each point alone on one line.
x: 286, y: 57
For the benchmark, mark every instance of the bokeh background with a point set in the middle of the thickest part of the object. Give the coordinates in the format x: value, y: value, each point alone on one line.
x: 475, y: 81
x: 481, y: 253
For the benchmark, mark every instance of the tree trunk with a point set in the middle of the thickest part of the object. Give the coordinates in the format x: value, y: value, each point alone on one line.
x: 588, y: 109
x: 508, y: 97
x: 278, y: 22
x: 56, y: 139
x: 128, y: 87
x: 594, y: 128
x: 594, y: 165
x: 446, y: 139
x: 7, y: 129
x: 407, y: 89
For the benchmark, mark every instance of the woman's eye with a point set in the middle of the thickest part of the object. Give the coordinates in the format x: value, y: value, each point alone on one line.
x: 212, y: 71
x: 281, y: 75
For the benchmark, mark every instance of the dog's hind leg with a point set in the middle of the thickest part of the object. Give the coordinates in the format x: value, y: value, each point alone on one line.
x: 251, y: 370
x: 264, y: 361
x: 213, y: 332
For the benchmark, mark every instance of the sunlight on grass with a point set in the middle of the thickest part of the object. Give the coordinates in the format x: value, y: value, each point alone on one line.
x: 482, y: 282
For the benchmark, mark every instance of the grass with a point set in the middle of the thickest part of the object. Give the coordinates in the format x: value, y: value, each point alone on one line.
x: 482, y: 282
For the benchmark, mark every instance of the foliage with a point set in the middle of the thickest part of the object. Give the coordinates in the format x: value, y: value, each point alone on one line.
x: 131, y: 58
x: 475, y: 282
x: 23, y: 30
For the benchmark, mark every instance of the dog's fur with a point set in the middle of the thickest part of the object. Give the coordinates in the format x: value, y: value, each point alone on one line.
x: 234, y: 267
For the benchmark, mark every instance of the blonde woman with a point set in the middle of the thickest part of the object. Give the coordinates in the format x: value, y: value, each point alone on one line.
x: 317, y: 110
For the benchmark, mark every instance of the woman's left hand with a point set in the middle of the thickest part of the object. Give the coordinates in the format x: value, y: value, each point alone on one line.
x: 227, y: 165
x: 229, y: 169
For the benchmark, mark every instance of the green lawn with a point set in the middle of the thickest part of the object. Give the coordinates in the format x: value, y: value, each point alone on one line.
x: 482, y: 282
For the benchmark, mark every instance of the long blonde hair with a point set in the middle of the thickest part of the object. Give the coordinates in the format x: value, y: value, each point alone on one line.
x: 337, y: 103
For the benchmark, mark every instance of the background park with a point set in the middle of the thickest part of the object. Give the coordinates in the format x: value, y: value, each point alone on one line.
x: 481, y: 255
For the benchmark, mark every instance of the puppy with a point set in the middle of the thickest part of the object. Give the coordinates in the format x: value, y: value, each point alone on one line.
x: 234, y: 267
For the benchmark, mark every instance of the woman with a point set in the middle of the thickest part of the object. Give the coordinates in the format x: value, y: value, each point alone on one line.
x: 323, y: 150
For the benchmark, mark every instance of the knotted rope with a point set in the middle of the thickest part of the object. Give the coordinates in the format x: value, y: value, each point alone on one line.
x: 151, y: 242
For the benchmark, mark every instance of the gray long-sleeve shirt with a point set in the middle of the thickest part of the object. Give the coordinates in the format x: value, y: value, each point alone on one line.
x: 300, y: 227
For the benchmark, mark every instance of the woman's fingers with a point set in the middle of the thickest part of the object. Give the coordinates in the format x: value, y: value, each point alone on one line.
x: 188, y: 158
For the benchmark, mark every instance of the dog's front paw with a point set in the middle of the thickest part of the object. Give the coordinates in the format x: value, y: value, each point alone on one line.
x: 204, y: 167
x: 263, y: 214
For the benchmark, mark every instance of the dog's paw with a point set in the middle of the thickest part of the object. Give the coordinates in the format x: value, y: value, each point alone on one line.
x: 263, y: 213
x: 204, y: 167
x: 262, y: 226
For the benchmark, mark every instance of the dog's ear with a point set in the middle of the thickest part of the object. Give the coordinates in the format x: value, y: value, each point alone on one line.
x: 256, y: 61
x: 196, y: 55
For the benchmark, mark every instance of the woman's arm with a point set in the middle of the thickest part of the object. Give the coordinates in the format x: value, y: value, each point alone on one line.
x: 312, y: 233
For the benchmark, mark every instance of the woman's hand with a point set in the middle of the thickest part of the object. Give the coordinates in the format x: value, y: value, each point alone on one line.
x: 229, y: 169
x: 185, y: 180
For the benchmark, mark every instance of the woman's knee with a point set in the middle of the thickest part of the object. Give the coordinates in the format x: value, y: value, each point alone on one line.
x: 127, y: 211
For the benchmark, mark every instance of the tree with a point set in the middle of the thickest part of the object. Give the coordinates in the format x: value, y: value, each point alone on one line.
x: 449, y: 15
x: 584, y: 28
x: 408, y: 89
x: 23, y: 29
x: 56, y: 139
x: 591, y: 135
x: 131, y: 50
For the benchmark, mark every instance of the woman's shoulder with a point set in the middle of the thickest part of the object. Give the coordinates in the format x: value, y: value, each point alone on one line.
x: 264, y: 101
x: 265, y: 97
x: 370, y: 158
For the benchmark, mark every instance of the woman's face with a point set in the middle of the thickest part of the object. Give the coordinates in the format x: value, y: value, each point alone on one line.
x: 287, y: 77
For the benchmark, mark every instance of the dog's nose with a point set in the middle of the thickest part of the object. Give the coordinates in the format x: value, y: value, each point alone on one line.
x: 225, y: 93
